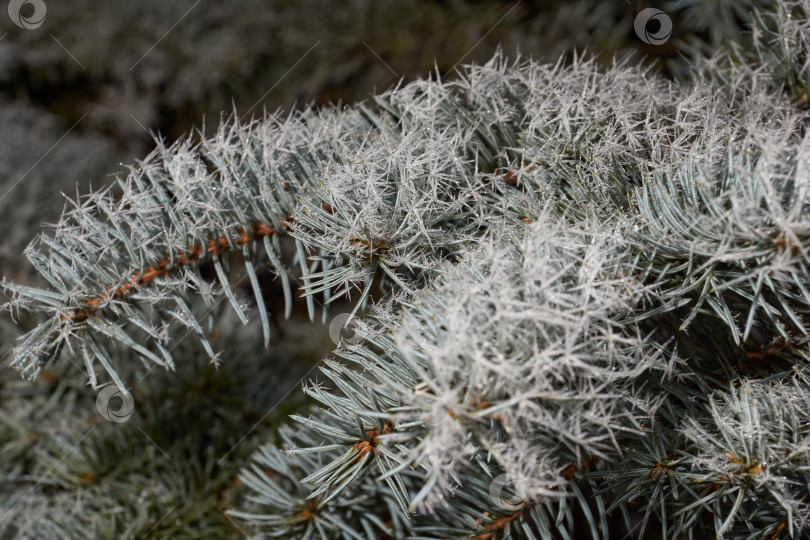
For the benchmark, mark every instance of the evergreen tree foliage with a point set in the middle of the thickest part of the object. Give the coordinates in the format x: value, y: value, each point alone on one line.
x: 579, y: 296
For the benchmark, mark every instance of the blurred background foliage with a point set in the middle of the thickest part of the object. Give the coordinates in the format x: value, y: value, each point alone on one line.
x: 88, y: 91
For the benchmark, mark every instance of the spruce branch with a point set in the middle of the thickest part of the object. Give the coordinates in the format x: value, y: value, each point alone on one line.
x: 593, y: 293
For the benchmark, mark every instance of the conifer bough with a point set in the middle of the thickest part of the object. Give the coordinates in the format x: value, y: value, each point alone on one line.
x: 593, y: 295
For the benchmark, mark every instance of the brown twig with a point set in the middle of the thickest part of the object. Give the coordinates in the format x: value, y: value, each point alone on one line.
x: 161, y: 268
